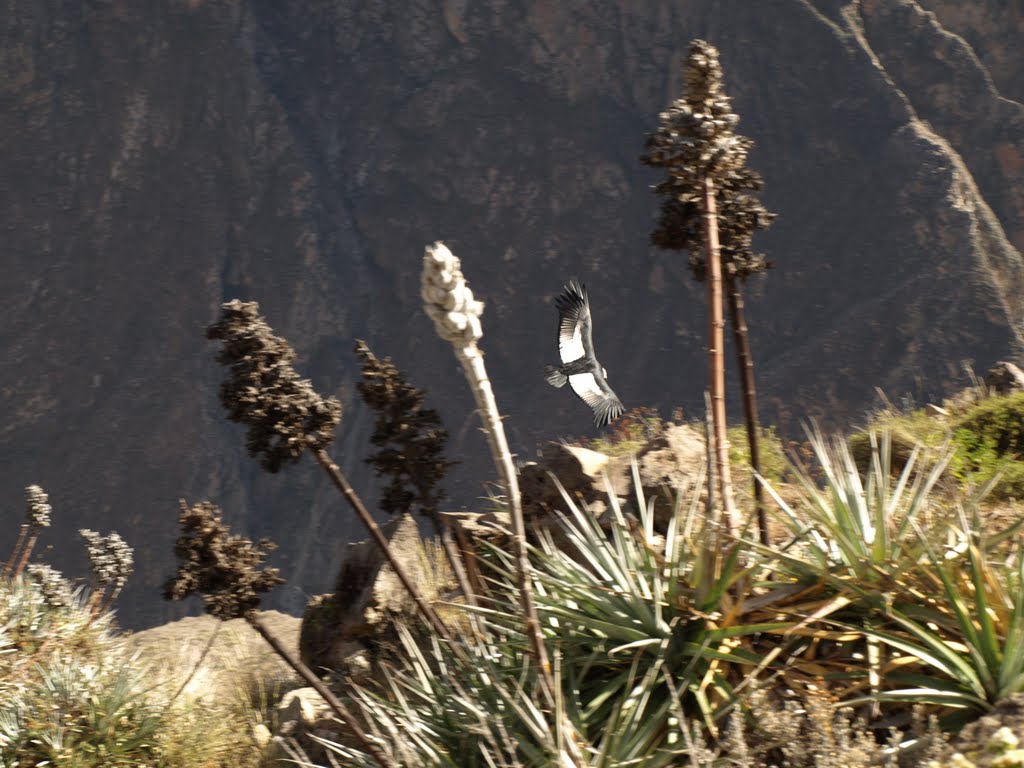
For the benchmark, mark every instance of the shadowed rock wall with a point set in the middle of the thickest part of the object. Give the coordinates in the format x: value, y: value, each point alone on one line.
x: 157, y: 159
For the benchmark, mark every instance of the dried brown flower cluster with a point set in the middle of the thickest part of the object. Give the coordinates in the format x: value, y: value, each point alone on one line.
x: 409, y: 437
x: 225, y: 569
x: 283, y: 412
x: 55, y: 589
x: 110, y: 558
x: 696, y: 138
x: 37, y: 517
x: 741, y: 214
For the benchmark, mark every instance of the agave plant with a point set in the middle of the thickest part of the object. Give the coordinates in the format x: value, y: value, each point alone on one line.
x: 69, y: 695
x: 434, y: 709
x: 81, y: 714
x: 645, y: 631
x: 628, y: 605
x: 929, y: 608
x: 858, y: 531
x: 963, y: 646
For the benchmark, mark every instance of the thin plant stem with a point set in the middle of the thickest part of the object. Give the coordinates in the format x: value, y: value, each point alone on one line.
x: 456, y: 558
x: 29, y: 546
x: 710, y: 509
x: 17, y: 548
x: 424, y: 607
x: 745, y: 363
x: 476, y: 374
x: 374, y: 750
x: 469, y: 558
x: 716, y: 353
x: 95, y: 599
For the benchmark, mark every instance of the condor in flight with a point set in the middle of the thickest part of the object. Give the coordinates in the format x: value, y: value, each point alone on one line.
x: 579, y: 365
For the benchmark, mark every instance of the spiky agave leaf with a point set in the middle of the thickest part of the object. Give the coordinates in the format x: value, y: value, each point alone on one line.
x: 968, y: 647
x: 623, y: 603
x: 432, y: 709
x: 858, y: 530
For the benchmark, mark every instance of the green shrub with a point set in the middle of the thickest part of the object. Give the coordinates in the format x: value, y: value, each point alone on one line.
x: 774, y: 466
x: 987, y: 437
x: 629, y: 433
x: 990, y: 442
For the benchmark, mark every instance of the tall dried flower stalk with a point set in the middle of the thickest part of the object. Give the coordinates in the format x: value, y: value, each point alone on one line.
x: 705, y: 160
x: 37, y: 516
x: 740, y: 214
x: 111, y: 562
x: 228, y: 572
x: 449, y: 302
x: 285, y: 416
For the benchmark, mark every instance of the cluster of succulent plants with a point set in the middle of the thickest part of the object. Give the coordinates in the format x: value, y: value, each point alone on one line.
x: 69, y: 694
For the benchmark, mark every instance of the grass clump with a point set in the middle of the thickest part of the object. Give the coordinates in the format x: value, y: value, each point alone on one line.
x: 987, y: 437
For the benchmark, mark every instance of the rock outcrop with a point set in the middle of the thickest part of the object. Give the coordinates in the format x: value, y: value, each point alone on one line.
x: 667, y: 465
x: 339, y: 628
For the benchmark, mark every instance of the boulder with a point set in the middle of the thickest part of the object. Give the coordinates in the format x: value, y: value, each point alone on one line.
x: 668, y: 464
x: 302, y: 706
x: 337, y: 628
x: 1004, y: 378
x: 580, y: 471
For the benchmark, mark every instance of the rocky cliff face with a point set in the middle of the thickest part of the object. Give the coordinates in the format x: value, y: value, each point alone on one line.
x: 160, y: 158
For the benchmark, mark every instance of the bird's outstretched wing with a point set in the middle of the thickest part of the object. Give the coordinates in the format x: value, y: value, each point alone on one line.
x: 574, y: 325
x: 595, y: 392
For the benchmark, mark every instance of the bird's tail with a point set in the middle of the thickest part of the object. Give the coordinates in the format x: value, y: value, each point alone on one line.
x: 554, y: 376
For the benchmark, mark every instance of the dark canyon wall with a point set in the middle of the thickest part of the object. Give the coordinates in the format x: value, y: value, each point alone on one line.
x: 159, y: 158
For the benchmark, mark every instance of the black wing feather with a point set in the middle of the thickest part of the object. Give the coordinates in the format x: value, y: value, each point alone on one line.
x: 575, y: 342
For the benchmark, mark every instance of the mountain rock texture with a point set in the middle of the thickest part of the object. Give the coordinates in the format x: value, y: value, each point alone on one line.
x: 159, y: 158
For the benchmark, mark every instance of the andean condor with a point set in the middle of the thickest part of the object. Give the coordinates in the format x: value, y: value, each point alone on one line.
x: 579, y: 365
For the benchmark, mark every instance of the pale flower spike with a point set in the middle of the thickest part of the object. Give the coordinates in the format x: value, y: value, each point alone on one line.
x: 447, y: 300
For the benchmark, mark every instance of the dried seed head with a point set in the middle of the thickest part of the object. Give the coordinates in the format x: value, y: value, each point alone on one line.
x: 56, y: 590
x: 39, y: 508
x: 447, y: 299
x: 283, y: 412
x: 696, y: 140
x: 110, y: 558
x: 410, y: 438
x: 225, y: 569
